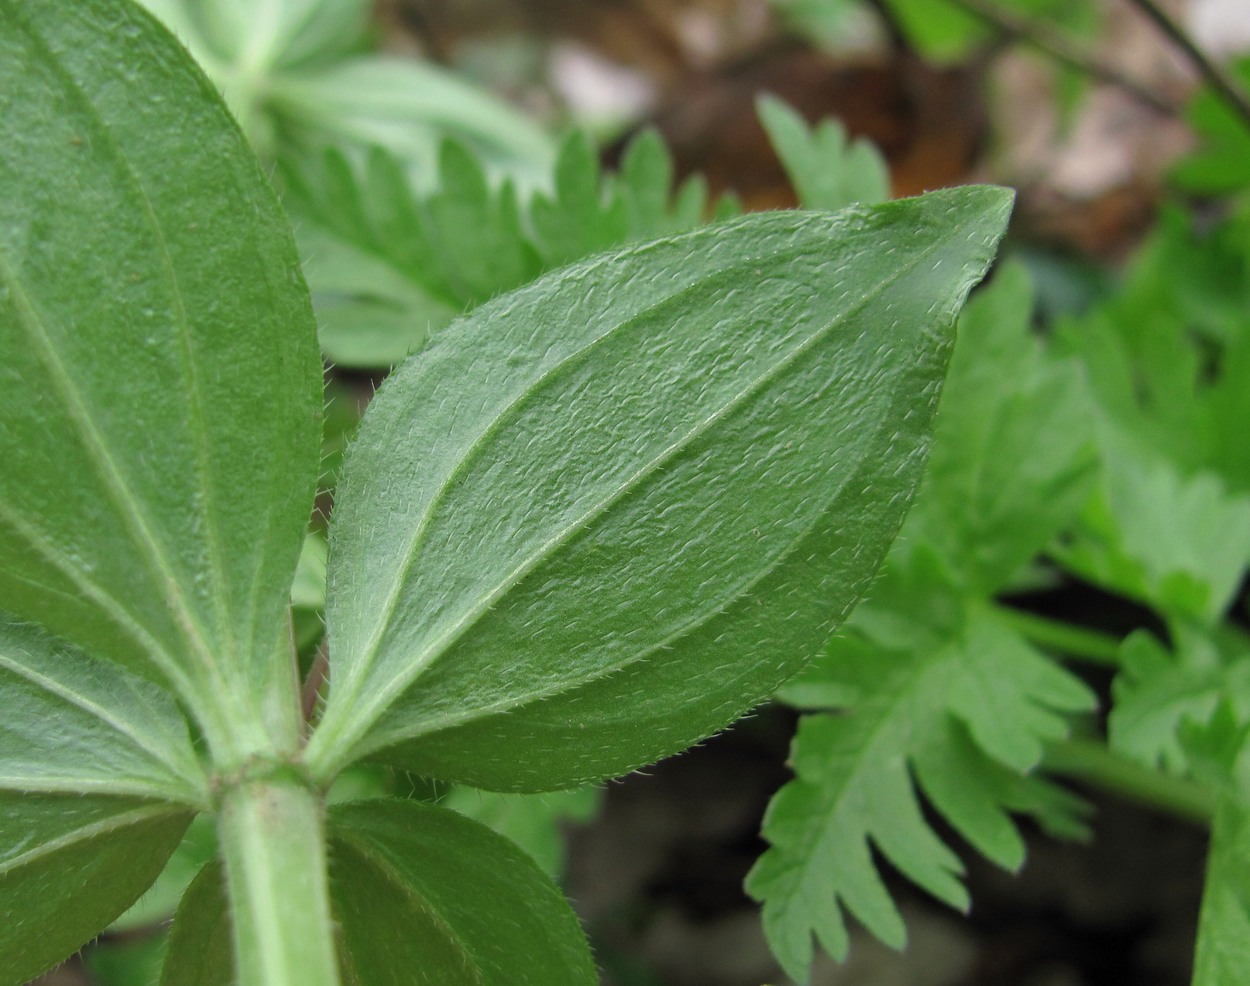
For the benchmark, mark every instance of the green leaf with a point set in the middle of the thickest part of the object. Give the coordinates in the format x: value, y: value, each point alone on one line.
x: 97, y: 783
x: 936, y: 692
x: 1179, y: 544
x: 1223, y: 951
x: 73, y: 725
x: 201, y: 944
x: 1013, y: 445
x: 1221, y: 165
x: 69, y: 865
x: 423, y: 895
x: 161, y: 900
x: 389, y: 265
x: 532, y: 821
x: 647, y: 501
x: 152, y: 503
x: 296, y: 77
x: 1168, y: 353
x: 828, y: 170
x: 1158, y: 692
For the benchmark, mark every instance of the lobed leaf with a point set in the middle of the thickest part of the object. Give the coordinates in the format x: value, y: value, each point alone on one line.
x: 828, y: 170
x: 1013, y: 444
x: 647, y: 502
x: 390, y: 264
x: 935, y: 692
x: 152, y: 503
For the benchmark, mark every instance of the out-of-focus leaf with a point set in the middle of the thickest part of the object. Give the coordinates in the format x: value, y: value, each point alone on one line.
x: 532, y: 821
x: 423, y: 895
x: 1013, y: 445
x: 827, y: 169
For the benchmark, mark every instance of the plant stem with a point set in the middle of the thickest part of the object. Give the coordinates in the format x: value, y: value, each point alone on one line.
x: 1216, y: 76
x: 1074, y: 641
x: 1063, y: 50
x: 272, y: 834
x: 1091, y: 760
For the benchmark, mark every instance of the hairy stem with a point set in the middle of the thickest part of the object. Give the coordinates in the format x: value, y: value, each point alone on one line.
x: 272, y: 835
x: 1091, y: 760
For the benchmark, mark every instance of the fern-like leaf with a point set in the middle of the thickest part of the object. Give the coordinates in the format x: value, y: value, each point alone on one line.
x: 957, y: 706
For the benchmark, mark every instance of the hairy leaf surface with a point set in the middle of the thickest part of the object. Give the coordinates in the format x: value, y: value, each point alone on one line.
x: 69, y: 865
x: 1223, y: 950
x: 97, y: 783
x: 647, y: 501
x: 157, y: 357
x: 73, y: 725
x: 201, y: 943
x: 425, y: 896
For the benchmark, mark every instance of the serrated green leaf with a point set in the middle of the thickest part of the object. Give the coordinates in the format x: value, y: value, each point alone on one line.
x: 580, y: 219
x: 1157, y: 692
x: 935, y: 695
x: 827, y: 169
x: 151, y: 503
x: 389, y: 265
x: 97, y: 782
x: 1168, y: 353
x: 423, y: 895
x: 637, y: 424
x: 1179, y: 544
x: 1013, y: 448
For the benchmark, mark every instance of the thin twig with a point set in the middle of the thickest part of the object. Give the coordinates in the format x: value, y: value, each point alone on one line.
x: 1215, y: 74
x: 1062, y: 49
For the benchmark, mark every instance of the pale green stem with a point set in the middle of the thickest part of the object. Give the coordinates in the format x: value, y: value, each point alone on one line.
x: 272, y: 834
x: 1066, y: 638
x: 1092, y: 761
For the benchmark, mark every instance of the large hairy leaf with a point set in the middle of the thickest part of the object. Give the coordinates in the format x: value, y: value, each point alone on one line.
x: 157, y: 359
x: 605, y: 514
x: 97, y: 783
